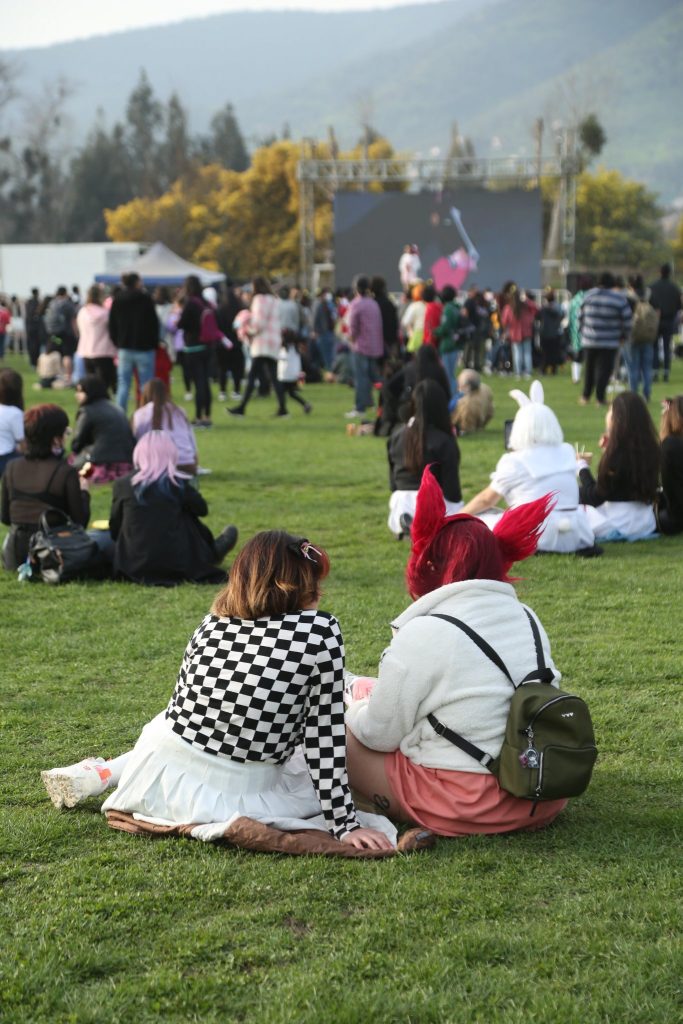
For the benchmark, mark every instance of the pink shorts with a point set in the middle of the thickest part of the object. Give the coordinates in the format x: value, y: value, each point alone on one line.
x: 452, y: 803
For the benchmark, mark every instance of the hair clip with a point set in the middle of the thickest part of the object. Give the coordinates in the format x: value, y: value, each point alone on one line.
x: 303, y: 548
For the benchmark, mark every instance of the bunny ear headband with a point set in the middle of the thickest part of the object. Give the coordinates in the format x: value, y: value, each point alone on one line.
x: 517, y: 532
x: 536, y: 395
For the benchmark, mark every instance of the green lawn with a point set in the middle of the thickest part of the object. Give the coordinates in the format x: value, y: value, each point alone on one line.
x: 577, y: 923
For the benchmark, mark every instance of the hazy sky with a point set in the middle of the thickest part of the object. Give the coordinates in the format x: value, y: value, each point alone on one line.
x: 39, y: 22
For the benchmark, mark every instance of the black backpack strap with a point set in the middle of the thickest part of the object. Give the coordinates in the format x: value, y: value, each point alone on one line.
x: 480, y: 643
x: 542, y: 674
x: 459, y: 741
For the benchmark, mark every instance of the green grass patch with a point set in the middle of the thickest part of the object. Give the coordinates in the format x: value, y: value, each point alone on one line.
x: 580, y: 922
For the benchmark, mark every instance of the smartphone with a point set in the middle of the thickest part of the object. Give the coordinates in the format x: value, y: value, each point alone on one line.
x: 507, y: 430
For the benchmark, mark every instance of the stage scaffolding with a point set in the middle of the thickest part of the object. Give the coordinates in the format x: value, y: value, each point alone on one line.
x: 330, y: 176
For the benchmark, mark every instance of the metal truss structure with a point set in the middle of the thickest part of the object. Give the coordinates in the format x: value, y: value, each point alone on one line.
x: 329, y: 176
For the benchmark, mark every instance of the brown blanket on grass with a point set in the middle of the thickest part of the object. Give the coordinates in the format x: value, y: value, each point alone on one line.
x: 247, y: 834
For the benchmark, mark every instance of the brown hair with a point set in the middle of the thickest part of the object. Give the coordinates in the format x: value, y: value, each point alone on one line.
x: 274, y: 573
x: 672, y: 417
x: 156, y: 392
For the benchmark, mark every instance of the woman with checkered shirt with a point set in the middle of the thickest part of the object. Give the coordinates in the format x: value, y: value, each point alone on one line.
x: 255, y: 725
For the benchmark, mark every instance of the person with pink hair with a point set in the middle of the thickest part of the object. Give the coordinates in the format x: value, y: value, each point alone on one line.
x: 433, y: 675
x: 154, y: 521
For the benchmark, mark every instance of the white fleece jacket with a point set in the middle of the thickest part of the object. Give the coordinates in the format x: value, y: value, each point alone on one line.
x: 431, y: 666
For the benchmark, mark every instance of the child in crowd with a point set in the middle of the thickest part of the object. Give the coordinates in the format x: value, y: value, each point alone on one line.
x: 255, y: 725
x: 289, y: 369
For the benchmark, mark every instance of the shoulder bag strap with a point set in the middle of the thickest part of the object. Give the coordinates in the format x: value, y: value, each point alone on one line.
x: 542, y: 674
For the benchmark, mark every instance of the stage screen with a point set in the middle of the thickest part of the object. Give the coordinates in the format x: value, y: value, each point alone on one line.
x: 465, y: 236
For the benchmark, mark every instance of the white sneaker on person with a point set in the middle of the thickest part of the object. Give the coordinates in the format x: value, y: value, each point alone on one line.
x: 222, y: 397
x: 235, y: 396
x: 68, y: 786
x: 203, y: 471
x: 353, y: 414
x: 188, y: 396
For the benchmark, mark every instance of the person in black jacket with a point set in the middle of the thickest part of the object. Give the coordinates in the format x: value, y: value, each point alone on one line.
x: 154, y: 521
x: 102, y: 434
x: 669, y: 507
x: 229, y: 361
x: 378, y: 287
x: 39, y: 482
x: 427, y: 438
x: 665, y: 295
x: 134, y: 329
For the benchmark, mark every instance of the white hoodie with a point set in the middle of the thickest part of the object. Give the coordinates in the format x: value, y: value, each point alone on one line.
x: 432, y: 667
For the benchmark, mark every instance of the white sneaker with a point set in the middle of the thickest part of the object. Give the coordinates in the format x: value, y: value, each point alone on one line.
x: 353, y: 414
x: 188, y: 396
x: 68, y: 786
x: 222, y: 397
x: 203, y: 471
x: 235, y: 396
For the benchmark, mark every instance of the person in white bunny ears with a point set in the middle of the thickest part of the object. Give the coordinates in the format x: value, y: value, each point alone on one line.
x: 539, y: 461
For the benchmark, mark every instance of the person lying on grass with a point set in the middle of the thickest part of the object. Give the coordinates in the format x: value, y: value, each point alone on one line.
x: 396, y: 759
x: 255, y: 725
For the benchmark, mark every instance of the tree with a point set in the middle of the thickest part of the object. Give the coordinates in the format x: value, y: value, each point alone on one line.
x: 592, y: 137
x: 100, y: 177
x: 225, y: 145
x: 144, y: 117
x: 618, y: 222
x: 677, y: 245
x: 176, y: 151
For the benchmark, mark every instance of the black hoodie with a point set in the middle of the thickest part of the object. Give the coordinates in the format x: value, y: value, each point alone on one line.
x: 133, y: 321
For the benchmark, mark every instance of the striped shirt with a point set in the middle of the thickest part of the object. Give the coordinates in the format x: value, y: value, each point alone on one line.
x: 605, y: 319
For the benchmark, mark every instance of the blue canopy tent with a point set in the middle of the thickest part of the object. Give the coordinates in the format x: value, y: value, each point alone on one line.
x: 160, y: 265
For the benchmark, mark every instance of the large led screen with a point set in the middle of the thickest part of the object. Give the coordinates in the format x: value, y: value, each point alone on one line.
x: 464, y: 236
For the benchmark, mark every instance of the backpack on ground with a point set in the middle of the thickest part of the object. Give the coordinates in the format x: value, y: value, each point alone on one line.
x: 549, y: 748
x: 645, y: 326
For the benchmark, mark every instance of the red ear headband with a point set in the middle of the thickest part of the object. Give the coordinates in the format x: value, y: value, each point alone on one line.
x: 517, y: 532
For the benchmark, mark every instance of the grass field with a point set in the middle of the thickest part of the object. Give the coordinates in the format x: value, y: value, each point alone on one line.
x: 579, y: 923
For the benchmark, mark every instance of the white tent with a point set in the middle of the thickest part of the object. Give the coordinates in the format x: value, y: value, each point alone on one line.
x: 160, y: 265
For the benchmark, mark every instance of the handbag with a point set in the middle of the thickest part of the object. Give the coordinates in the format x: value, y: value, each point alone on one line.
x: 62, y: 552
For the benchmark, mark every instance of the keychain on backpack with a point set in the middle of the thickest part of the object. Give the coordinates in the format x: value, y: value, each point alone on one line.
x: 530, y: 758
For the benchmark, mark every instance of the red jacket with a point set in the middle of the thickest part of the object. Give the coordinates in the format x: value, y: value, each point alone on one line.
x: 521, y: 327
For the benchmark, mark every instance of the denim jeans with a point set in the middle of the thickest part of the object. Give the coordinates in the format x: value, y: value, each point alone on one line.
x: 364, y: 372
x: 328, y: 345
x: 129, y: 360
x: 521, y: 358
x: 450, y: 362
x: 640, y: 360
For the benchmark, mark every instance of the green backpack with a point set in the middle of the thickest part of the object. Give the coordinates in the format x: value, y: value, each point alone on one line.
x: 549, y: 748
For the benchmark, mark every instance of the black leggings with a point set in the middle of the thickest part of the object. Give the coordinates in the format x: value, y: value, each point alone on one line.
x: 197, y: 364
x: 599, y: 363
x: 103, y: 367
x: 269, y: 368
x: 291, y: 388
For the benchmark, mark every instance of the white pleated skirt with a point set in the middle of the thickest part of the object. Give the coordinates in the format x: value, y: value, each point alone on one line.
x: 168, y: 781
x: 565, y: 530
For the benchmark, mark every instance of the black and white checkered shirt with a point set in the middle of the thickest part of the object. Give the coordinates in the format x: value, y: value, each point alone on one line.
x: 253, y: 690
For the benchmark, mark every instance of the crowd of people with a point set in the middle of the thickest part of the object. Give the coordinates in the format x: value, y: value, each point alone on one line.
x: 264, y: 721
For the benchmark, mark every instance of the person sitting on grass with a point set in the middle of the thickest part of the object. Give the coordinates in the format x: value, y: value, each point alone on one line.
x: 158, y: 412
x: 255, y: 724
x: 620, y: 503
x: 102, y: 434
x: 12, y: 442
x: 426, y: 438
x: 670, y: 499
x: 154, y: 521
x: 40, y: 482
x: 396, y: 759
x: 538, y: 462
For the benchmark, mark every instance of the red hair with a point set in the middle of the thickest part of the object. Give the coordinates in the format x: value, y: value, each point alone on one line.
x: 461, y: 547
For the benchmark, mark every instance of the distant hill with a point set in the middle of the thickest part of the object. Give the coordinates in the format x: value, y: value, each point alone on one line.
x: 492, y: 65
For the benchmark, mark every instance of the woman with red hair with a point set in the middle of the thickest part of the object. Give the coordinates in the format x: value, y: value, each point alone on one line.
x: 396, y: 758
